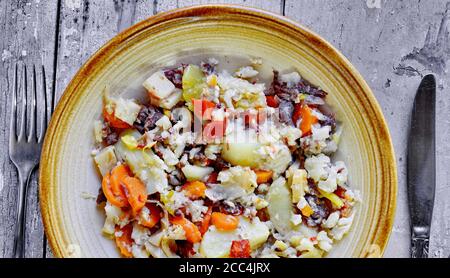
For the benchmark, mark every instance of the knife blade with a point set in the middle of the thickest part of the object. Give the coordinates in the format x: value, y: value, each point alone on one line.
x: 421, y: 166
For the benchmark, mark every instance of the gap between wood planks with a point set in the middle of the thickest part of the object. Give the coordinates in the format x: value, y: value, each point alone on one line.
x: 46, y: 250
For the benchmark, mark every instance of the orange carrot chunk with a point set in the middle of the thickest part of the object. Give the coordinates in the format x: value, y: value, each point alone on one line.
x: 308, y: 119
x: 304, y: 112
x: 212, y: 178
x: 240, y: 249
x: 214, y: 130
x: 204, y: 225
x: 203, y: 108
x: 224, y: 221
x: 263, y: 176
x: 115, y: 200
x: 136, y: 193
x: 114, y: 121
x: 118, y: 174
x: 193, y: 234
x: 151, y: 218
x: 272, y: 101
x: 124, y: 241
x: 194, y: 189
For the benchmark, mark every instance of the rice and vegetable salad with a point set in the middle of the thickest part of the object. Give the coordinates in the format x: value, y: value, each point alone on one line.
x: 217, y: 163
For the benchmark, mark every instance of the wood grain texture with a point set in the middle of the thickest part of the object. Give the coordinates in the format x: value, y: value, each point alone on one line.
x: 387, y: 42
x: 392, y: 43
x: 27, y: 29
x: 270, y: 5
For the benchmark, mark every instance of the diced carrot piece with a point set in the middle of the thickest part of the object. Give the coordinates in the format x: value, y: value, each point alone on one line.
x: 152, y: 218
x: 208, y: 107
x: 240, y: 249
x: 194, y: 189
x: 113, y: 121
x: 115, y: 200
x: 307, y: 211
x: 311, y: 120
x: 204, y: 225
x: 308, y: 119
x: 263, y: 176
x: 192, y: 232
x: 124, y: 241
x: 214, y: 130
x: 272, y: 101
x: 136, y: 193
x: 297, y: 114
x: 203, y: 108
x: 118, y: 174
x: 212, y: 178
x: 224, y: 221
x: 340, y: 191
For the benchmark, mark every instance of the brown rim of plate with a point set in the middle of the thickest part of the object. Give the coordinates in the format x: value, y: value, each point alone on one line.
x: 385, y: 221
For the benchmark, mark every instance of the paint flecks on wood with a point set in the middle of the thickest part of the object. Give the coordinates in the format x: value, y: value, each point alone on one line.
x: 409, y: 71
x: 435, y: 53
x: 85, y: 16
x: 126, y: 12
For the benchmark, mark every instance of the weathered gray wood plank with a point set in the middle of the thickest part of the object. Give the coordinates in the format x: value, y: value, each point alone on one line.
x: 270, y: 5
x: 27, y: 29
x: 85, y: 26
x: 380, y: 38
x: 144, y: 9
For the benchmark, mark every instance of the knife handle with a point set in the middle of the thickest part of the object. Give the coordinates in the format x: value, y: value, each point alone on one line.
x: 419, y: 247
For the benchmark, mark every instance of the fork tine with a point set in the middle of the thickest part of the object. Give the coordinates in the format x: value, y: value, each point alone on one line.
x: 33, y: 119
x: 13, y: 120
x: 23, y: 114
x: 44, y: 114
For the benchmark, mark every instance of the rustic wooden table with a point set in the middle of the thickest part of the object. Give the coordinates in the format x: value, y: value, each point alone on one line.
x: 392, y: 43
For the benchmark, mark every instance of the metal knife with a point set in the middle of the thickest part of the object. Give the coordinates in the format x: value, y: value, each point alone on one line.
x: 421, y: 170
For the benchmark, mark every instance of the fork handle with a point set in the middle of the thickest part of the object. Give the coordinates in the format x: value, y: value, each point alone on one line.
x: 19, y: 234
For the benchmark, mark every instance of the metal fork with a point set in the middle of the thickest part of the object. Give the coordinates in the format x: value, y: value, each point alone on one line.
x: 24, y: 142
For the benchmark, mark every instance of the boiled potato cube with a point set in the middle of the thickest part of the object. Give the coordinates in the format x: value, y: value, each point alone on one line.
x: 196, y: 173
x: 280, y: 206
x: 145, y: 164
x: 217, y: 244
x: 242, y: 154
x: 126, y: 110
x: 158, y: 86
x: 106, y: 160
x: 172, y: 100
x: 256, y: 232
